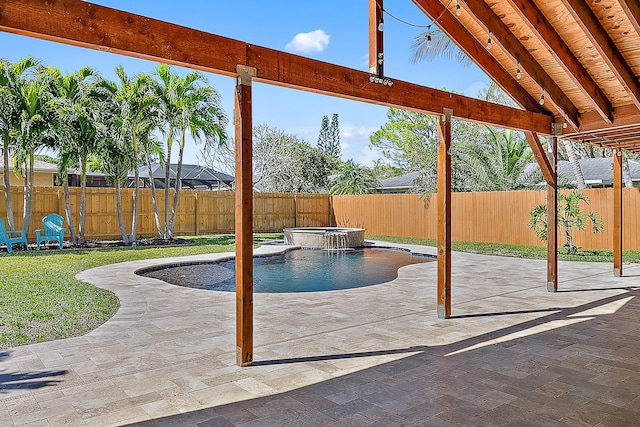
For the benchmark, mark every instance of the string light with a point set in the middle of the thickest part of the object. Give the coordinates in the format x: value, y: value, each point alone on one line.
x: 541, y: 102
x: 458, y: 8
x: 564, y: 123
x: 429, y: 41
x: 489, y: 41
x: 518, y: 72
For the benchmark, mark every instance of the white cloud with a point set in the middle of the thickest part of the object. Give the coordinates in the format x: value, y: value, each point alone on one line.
x: 354, y: 142
x: 314, y: 41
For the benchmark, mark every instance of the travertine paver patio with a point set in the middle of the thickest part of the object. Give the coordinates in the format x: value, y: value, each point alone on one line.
x: 513, y: 354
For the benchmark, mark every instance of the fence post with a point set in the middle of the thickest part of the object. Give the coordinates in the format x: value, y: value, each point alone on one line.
x: 61, y: 209
x: 196, y: 208
x: 295, y: 210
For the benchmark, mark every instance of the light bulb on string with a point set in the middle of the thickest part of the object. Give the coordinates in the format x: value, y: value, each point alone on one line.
x: 489, y: 41
x: 564, y: 123
x: 541, y: 102
x: 518, y: 72
x: 458, y: 8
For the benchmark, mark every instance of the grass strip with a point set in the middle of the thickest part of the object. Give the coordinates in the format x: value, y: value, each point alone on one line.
x: 518, y: 251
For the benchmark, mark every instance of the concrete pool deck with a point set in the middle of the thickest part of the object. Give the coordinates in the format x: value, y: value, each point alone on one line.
x: 512, y: 354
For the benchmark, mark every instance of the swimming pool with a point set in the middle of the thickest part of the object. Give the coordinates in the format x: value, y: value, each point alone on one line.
x: 298, y: 270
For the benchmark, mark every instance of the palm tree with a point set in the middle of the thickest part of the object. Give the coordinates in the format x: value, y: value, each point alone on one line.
x: 115, y: 160
x: 570, y: 216
x: 12, y: 78
x: 353, y: 178
x: 433, y: 43
x: 133, y: 119
x: 575, y: 164
x: 188, y: 106
x: 33, y: 131
x: 78, y: 115
x: 498, y: 164
x: 166, y: 91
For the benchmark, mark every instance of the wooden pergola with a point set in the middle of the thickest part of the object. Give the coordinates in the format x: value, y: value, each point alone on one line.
x: 580, y: 56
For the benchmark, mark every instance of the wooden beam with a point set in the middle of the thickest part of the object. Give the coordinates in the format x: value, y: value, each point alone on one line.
x: 552, y: 219
x: 444, y: 216
x: 632, y: 9
x: 623, y: 116
x: 88, y: 25
x: 547, y: 35
x: 376, y: 37
x: 607, y: 49
x: 541, y: 157
x: 244, y: 217
x: 484, y: 15
x: 617, y: 214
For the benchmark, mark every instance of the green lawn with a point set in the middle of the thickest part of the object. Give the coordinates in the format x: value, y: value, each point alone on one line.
x: 40, y: 299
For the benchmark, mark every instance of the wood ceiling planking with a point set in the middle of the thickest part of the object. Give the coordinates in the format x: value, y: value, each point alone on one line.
x: 617, y: 24
x: 529, y: 40
x: 569, y: 30
x: 480, y: 33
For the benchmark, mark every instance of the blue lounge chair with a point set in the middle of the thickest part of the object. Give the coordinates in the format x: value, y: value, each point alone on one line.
x: 5, y: 237
x: 52, y: 230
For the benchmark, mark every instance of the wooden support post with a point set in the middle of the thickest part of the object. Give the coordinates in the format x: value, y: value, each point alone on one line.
x: 244, y: 217
x: 444, y: 215
x: 617, y: 214
x: 552, y: 218
x: 376, y: 32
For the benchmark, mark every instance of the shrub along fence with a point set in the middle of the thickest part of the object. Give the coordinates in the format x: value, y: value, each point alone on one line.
x: 498, y: 217
x: 199, y: 212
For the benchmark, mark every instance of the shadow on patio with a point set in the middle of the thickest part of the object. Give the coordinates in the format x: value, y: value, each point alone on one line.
x: 26, y: 380
x: 574, y: 366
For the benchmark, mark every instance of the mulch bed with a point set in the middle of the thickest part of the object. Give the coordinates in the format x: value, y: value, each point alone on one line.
x: 97, y: 244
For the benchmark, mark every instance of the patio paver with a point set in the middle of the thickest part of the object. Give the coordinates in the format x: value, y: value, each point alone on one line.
x: 512, y: 354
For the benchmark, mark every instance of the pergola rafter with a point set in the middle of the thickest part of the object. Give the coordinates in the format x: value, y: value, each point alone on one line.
x: 539, y: 25
x: 502, y: 36
x: 476, y: 51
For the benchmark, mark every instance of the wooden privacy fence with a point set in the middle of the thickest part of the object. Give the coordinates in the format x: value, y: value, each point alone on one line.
x: 499, y: 217
x: 199, y: 212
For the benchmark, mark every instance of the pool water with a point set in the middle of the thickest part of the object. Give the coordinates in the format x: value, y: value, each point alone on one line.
x: 297, y: 271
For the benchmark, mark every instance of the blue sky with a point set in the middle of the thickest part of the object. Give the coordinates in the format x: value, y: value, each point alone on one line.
x: 334, y: 31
